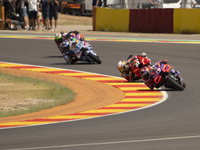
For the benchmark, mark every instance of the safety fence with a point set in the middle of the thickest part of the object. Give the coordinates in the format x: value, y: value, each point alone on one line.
x: 147, y: 20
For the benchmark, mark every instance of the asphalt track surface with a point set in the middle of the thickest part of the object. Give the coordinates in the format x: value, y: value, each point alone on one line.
x: 171, y: 125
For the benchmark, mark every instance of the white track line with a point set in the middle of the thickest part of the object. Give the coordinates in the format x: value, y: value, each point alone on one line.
x: 110, y: 143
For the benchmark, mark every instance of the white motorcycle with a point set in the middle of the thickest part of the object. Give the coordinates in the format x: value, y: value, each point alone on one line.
x: 82, y: 51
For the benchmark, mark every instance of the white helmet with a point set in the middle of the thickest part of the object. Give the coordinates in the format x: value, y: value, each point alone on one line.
x: 122, y: 66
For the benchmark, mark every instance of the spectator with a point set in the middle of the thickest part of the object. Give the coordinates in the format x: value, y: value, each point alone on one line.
x: 45, y: 13
x: 53, y: 13
x: 10, y: 17
x: 21, y: 9
x: 96, y: 3
x: 32, y: 14
x: 105, y: 3
x: 156, y: 3
x: 189, y: 3
x: 39, y: 15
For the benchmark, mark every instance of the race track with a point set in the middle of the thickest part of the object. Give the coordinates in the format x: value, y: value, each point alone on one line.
x: 174, y: 124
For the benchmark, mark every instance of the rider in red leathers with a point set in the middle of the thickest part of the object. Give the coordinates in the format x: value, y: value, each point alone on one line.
x: 130, y: 69
x: 137, y: 62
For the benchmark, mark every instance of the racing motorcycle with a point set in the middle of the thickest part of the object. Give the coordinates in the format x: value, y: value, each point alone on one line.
x: 162, y: 74
x: 84, y: 52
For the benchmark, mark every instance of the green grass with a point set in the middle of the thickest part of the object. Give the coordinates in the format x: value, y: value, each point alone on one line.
x: 21, y: 95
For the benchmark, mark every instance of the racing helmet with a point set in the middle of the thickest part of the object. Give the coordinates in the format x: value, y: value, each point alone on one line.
x: 65, y: 46
x: 144, y: 72
x: 122, y: 66
x: 58, y: 38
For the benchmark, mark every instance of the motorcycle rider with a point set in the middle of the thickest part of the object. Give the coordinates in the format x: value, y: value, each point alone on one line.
x: 151, y: 74
x: 70, y: 45
x: 130, y: 69
x: 61, y: 37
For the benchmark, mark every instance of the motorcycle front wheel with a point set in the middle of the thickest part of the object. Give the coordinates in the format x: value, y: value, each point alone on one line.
x: 94, y: 58
x: 175, y: 84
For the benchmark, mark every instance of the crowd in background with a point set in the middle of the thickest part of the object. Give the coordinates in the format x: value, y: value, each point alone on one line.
x: 31, y: 14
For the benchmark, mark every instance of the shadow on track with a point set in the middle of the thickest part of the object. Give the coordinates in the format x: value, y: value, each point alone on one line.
x: 53, y: 57
x: 77, y: 63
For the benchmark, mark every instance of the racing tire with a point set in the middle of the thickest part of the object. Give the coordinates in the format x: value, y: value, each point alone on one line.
x: 184, y: 84
x: 176, y: 85
x: 94, y: 58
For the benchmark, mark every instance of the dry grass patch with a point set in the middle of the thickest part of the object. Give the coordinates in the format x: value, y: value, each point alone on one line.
x: 66, y: 19
x: 20, y: 95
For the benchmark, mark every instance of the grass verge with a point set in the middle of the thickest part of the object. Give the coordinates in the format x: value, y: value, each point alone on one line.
x: 21, y: 95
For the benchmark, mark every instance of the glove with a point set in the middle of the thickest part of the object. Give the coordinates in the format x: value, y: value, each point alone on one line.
x: 151, y: 87
x: 149, y: 84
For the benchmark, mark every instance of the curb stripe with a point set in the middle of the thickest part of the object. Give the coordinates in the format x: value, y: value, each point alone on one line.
x: 137, y: 102
x: 141, y: 91
x: 140, y: 99
x: 141, y: 94
x: 137, y: 96
x: 144, y: 96
x: 139, y: 85
x: 123, y: 108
